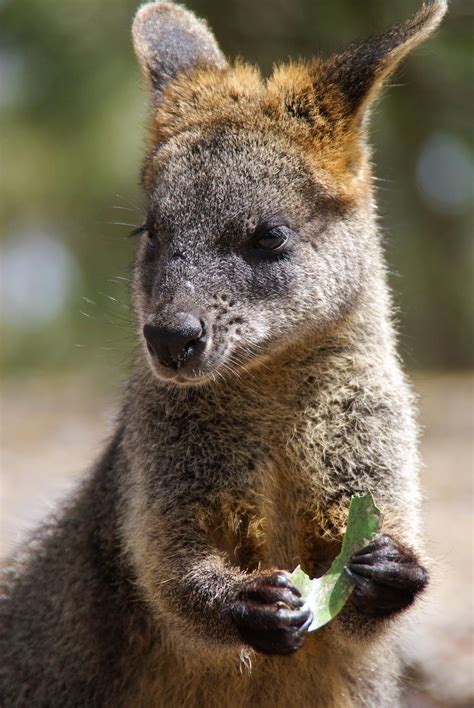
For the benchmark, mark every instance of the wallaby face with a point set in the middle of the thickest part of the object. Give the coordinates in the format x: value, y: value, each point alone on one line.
x: 260, y: 207
x: 243, y: 244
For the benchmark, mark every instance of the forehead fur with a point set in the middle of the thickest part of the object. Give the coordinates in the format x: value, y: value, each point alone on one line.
x: 318, y: 108
x: 217, y: 179
x: 288, y: 106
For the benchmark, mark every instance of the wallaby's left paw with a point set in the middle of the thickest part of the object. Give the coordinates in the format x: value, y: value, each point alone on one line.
x: 388, y: 577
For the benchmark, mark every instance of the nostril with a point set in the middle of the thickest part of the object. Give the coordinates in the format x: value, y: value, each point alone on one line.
x: 177, y: 341
x: 199, y: 338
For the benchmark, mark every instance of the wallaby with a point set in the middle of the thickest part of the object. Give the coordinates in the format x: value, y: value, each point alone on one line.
x: 265, y: 392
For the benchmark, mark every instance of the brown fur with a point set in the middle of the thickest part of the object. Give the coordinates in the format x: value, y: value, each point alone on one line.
x: 238, y: 97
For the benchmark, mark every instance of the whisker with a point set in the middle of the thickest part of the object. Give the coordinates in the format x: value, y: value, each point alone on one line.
x: 123, y: 223
x: 129, y: 202
x: 115, y: 318
x: 114, y: 299
x: 128, y: 338
x: 119, y: 277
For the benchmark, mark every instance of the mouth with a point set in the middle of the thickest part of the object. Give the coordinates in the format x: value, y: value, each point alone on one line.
x: 193, y: 371
x: 181, y: 378
x: 222, y: 367
x: 198, y: 361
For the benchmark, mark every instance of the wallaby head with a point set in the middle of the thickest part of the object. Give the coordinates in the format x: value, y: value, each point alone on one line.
x: 259, y: 228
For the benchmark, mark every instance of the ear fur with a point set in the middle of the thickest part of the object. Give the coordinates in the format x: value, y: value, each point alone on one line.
x: 361, y: 70
x: 169, y: 40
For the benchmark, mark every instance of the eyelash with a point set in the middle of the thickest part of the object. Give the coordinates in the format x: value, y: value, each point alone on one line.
x: 139, y: 230
x: 142, y: 230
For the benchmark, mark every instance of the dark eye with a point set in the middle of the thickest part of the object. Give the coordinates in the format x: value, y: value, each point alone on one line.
x: 272, y: 239
x: 151, y: 237
x: 144, y: 229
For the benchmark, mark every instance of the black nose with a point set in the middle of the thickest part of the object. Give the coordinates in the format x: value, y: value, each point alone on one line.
x: 177, y: 342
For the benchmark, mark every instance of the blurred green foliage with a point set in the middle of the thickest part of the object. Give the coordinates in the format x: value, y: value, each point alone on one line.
x: 73, y: 112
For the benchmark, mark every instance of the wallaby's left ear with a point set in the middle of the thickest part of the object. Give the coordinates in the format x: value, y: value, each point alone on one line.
x: 170, y: 40
x: 361, y: 70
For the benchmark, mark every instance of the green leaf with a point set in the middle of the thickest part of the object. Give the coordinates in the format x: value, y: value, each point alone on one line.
x: 327, y: 595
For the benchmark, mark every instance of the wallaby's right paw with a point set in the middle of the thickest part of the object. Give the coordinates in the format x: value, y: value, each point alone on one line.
x: 270, y: 614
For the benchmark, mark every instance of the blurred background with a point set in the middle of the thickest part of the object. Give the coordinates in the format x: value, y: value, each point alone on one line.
x: 73, y: 113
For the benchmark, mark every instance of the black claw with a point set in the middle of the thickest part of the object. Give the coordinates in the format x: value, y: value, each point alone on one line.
x: 375, y: 545
x: 359, y: 580
x: 304, y: 628
x: 296, y: 619
x: 353, y: 576
x: 373, y: 556
x: 282, y: 580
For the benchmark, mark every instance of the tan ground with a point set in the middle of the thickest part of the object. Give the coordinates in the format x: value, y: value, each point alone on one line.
x: 52, y: 431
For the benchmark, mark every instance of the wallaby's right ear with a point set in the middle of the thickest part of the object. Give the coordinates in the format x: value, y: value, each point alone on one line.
x: 169, y: 40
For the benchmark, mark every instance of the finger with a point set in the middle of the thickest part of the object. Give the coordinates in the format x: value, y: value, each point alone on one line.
x: 381, y: 572
x: 364, y: 584
x: 392, y: 574
x: 296, y: 618
x: 282, y: 641
x: 377, y: 543
x: 267, y: 617
x: 270, y: 594
x: 383, y: 554
x: 281, y: 580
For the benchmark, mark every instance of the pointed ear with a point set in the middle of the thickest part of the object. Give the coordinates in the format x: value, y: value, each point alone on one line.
x: 170, y: 40
x: 361, y: 70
